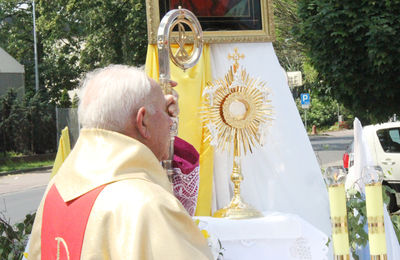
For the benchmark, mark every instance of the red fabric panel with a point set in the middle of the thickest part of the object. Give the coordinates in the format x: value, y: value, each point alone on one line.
x: 64, y: 224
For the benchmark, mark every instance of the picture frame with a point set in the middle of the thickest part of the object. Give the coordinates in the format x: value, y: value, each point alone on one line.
x: 222, y: 21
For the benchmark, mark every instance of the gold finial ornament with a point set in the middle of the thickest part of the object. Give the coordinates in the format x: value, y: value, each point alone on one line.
x: 237, y: 113
x: 185, y: 53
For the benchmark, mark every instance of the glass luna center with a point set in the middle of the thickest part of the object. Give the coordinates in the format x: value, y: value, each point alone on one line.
x: 238, y: 109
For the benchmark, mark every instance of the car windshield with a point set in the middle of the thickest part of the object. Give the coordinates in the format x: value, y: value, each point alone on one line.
x: 389, y: 139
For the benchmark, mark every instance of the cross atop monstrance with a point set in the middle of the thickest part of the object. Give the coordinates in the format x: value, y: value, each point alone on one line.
x: 235, y: 57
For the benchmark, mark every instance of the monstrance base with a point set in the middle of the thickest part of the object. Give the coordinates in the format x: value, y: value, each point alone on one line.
x: 238, y: 209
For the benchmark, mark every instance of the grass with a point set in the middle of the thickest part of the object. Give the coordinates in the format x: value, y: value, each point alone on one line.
x: 10, y: 154
x: 13, y: 166
x: 322, y: 129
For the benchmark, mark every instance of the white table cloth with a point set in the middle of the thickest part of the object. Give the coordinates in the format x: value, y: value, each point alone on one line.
x: 275, y: 236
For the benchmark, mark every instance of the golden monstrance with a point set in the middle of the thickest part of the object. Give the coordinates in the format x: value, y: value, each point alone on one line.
x: 237, y: 112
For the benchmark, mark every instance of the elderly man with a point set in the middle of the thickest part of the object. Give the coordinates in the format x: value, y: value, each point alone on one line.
x: 111, y: 199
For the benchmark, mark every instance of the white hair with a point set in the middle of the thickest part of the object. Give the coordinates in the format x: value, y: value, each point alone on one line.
x: 109, y: 96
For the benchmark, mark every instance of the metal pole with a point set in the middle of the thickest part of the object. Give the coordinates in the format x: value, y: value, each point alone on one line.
x: 35, y: 48
x: 305, y: 118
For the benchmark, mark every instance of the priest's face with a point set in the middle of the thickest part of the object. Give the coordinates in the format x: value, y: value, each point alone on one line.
x: 160, y: 123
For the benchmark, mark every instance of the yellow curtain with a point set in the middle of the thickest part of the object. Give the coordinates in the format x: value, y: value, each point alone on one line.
x: 64, y: 148
x: 191, y: 84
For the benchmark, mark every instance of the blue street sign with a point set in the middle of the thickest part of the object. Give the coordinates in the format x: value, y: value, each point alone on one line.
x: 305, y: 98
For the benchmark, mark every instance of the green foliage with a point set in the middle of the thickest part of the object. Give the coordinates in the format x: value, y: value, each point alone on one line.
x: 73, y: 37
x: 356, y: 219
x: 291, y: 54
x: 65, y: 101
x: 13, y: 239
x: 387, y: 191
x: 28, y: 125
x: 354, y: 46
x: 323, y: 112
x: 16, y: 35
x: 396, y: 225
x: 289, y: 50
x: 7, y: 104
x: 79, y: 36
x: 9, y: 165
x: 75, y: 101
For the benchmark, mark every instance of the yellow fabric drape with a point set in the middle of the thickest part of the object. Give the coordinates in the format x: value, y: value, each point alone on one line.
x: 191, y: 84
x: 64, y: 148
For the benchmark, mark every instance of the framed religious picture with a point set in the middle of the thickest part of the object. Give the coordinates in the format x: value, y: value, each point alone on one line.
x: 221, y: 20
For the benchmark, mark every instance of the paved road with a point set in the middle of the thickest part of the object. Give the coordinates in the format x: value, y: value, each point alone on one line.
x: 329, y: 148
x: 21, y: 193
x: 17, y: 204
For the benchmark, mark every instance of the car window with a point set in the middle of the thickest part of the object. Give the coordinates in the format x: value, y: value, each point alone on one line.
x: 389, y: 139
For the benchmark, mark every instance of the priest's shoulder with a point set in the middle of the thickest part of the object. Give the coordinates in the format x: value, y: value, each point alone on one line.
x: 138, y: 193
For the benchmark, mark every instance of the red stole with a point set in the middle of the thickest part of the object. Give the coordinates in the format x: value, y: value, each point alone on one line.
x: 64, y: 224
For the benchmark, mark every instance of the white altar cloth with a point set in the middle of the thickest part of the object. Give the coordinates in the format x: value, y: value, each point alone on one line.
x: 275, y: 236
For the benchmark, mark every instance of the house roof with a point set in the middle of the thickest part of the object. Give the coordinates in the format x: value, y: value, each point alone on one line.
x: 8, y: 64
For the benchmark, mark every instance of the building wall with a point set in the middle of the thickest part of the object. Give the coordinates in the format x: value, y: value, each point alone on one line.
x: 12, y: 80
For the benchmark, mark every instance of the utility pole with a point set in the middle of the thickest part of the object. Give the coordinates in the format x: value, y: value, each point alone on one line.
x: 35, y: 48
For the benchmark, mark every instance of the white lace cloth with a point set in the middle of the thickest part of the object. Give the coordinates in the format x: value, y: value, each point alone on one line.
x: 186, y: 188
x: 275, y: 236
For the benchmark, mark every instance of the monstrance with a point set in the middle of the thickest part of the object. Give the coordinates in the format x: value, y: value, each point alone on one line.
x: 237, y: 113
x: 185, y: 57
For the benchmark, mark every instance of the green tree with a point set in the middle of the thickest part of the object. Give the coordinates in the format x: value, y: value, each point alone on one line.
x: 79, y: 36
x: 40, y: 123
x: 7, y: 103
x: 75, y: 101
x: 323, y: 112
x: 28, y: 125
x: 289, y: 50
x: 16, y: 37
x: 353, y: 44
x: 65, y: 101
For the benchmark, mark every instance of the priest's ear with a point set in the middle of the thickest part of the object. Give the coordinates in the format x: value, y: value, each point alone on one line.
x: 142, y: 125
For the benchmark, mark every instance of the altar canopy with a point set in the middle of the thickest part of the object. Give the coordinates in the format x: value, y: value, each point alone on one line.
x: 282, y: 176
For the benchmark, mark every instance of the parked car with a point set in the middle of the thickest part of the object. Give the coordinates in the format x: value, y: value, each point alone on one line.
x: 348, y: 156
x: 383, y: 141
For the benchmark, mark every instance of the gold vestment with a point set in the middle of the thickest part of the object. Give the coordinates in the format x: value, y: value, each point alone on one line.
x: 136, y: 216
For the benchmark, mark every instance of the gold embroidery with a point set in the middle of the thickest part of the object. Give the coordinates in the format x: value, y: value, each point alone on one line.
x: 60, y: 239
x: 379, y: 257
x: 376, y: 225
x: 235, y: 57
x: 339, y: 225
